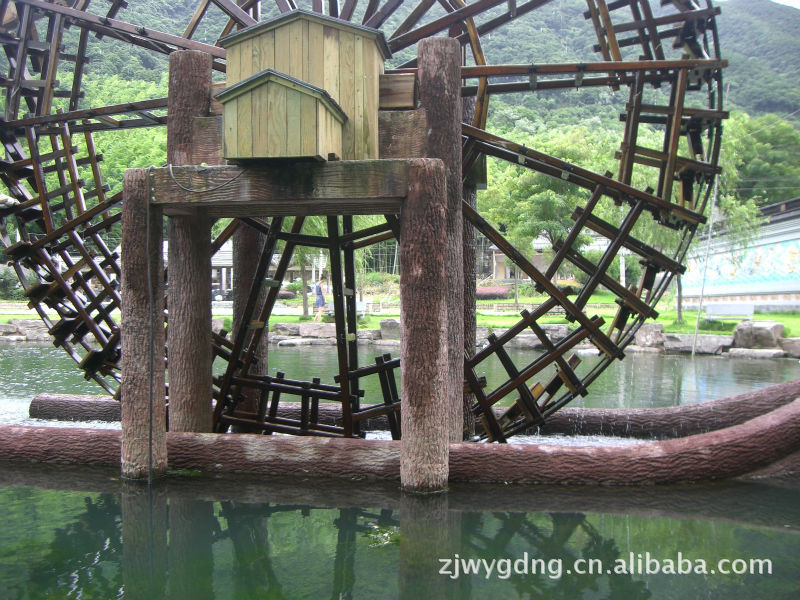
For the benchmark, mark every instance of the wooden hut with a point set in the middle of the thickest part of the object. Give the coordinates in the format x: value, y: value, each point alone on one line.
x: 272, y: 115
x: 343, y: 59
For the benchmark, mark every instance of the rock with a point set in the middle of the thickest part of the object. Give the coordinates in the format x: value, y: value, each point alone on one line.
x: 317, y: 330
x: 388, y: 343
x: 791, y: 346
x: 33, y: 330
x: 369, y: 334
x: 217, y: 324
x: 286, y: 328
x: 481, y: 333
x: 757, y: 334
x: 650, y: 335
x: 8, y: 329
x: 644, y: 349
x: 756, y: 353
x: 680, y: 343
x: 525, y: 340
x: 295, y: 342
x: 12, y: 339
x: 556, y: 332
x: 390, y: 329
x: 323, y: 341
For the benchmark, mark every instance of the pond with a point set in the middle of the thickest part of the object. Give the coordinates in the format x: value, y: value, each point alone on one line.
x: 640, y: 380
x: 80, y: 534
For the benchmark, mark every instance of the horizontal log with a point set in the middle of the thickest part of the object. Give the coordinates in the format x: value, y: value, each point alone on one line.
x: 646, y: 423
x: 727, y: 453
x: 71, y: 407
x: 723, y: 454
x: 283, y: 189
x: 672, y: 421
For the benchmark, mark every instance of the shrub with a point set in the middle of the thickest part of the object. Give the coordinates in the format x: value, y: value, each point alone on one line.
x: 495, y: 292
x: 295, y: 286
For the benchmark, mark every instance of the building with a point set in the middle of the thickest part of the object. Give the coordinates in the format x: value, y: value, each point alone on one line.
x: 765, y: 274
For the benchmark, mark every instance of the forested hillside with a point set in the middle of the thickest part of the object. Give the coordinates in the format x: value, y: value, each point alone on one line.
x: 760, y: 39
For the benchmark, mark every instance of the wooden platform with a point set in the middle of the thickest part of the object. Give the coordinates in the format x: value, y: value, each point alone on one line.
x: 276, y: 189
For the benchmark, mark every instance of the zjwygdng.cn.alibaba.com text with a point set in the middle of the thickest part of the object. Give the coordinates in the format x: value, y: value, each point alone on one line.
x: 457, y: 566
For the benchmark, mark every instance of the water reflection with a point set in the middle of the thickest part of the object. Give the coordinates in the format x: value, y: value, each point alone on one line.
x: 245, y: 539
x: 638, y: 381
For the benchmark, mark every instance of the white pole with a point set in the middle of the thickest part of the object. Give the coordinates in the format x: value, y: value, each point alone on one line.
x: 705, y: 265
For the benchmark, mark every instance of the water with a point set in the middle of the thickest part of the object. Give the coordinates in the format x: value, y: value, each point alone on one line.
x: 81, y: 534
x: 640, y: 380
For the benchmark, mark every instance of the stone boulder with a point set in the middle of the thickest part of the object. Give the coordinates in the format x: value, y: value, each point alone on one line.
x: 368, y: 334
x: 390, y: 329
x: 217, y: 324
x: 756, y: 353
x: 481, y: 333
x: 650, y: 335
x: 33, y: 330
x: 317, y: 330
x: 681, y: 343
x: 556, y: 331
x: 286, y: 328
x: 791, y: 346
x: 757, y: 334
x: 8, y: 329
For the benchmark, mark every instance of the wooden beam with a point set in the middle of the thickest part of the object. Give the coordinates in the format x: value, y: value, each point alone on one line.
x: 330, y: 188
x: 136, y: 32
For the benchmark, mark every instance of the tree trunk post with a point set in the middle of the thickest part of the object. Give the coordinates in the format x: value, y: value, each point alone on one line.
x: 469, y: 254
x: 189, y: 261
x: 424, y: 344
x: 143, y: 413
x: 248, y: 244
x: 440, y: 95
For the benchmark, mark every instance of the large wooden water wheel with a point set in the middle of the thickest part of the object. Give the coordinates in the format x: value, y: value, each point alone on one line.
x: 59, y: 220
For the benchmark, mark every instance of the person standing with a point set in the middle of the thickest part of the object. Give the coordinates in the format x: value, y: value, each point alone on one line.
x: 319, y: 301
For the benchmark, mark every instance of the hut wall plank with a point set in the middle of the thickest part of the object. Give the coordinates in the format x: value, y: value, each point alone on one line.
x: 308, y: 126
x: 276, y: 119
x: 293, y: 124
x: 346, y: 92
x: 244, y: 136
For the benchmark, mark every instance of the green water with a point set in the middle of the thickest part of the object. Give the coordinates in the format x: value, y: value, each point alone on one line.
x: 81, y: 534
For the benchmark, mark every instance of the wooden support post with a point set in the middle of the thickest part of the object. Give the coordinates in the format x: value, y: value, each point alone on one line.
x: 189, y: 263
x: 144, y: 442
x: 468, y: 255
x: 440, y: 92
x: 424, y: 344
x: 247, y: 243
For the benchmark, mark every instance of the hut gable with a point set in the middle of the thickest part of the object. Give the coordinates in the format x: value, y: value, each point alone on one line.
x: 344, y: 59
x: 272, y: 115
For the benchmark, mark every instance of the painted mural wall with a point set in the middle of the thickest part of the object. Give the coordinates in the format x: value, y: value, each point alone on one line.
x: 770, y: 265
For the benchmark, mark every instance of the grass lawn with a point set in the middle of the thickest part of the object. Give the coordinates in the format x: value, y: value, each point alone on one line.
x: 605, y: 308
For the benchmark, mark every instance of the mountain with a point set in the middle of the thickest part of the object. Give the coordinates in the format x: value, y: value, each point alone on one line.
x: 760, y: 39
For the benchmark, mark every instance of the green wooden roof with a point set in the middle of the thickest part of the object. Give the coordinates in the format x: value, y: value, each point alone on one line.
x: 272, y: 76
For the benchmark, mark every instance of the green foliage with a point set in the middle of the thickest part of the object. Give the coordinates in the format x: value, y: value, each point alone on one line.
x: 9, y: 285
x: 633, y: 269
